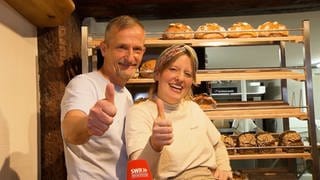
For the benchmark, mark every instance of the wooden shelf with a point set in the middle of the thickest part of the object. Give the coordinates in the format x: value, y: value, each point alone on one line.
x: 249, y: 74
x: 255, y: 110
x: 140, y: 80
x: 238, y: 74
x: 157, y: 42
x: 256, y: 113
x: 252, y: 104
x: 277, y: 155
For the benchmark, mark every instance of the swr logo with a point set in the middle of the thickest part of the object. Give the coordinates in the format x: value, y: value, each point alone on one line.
x: 139, y: 173
x: 138, y: 170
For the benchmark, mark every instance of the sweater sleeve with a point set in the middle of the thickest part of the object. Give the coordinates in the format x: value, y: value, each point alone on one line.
x: 138, y: 129
x: 148, y: 154
x: 222, y: 158
x: 221, y: 154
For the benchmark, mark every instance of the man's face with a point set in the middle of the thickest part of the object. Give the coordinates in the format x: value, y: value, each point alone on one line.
x: 123, y: 54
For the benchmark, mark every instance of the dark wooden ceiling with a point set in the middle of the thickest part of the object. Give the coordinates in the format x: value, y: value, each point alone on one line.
x: 104, y: 10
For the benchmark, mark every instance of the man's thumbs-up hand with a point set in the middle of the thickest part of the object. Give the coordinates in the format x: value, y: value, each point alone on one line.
x: 109, y: 93
x: 102, y: 113
x: 162, y: 131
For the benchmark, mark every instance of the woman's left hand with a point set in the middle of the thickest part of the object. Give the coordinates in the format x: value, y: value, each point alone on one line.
x: 222, y: 174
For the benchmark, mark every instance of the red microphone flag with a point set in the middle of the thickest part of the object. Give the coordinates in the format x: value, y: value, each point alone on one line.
x: 138, y: 170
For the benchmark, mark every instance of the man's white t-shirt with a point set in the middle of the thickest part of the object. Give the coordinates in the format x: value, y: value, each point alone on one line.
x: 101, y: 157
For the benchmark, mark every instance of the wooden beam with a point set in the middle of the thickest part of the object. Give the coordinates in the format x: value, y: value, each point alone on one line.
x: 44, y: 13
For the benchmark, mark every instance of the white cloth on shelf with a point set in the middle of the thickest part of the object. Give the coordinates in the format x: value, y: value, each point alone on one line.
x: 244, y: 125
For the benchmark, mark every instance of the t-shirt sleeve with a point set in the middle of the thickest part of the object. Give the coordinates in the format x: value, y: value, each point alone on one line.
x: 80, y: 94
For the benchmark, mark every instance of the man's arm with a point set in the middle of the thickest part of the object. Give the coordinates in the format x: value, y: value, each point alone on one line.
x: 75, y: 127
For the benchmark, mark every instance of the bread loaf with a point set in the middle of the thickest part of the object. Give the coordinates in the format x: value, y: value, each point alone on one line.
x: 241, y: 30
x: 136, y: 74
x: 273, y: 29
x: 291, y: 138
x: 238, y: 175
x: 229, y: 143
x: 205, y: 101
x: 265, y: 140
x: 147, y: 68
x: 178, y: 31
x: 247, y: 140
x: 210, y: 31
x: 140, y: 100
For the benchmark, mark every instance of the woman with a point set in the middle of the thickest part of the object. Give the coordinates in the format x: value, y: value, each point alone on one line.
x: 169, y: 130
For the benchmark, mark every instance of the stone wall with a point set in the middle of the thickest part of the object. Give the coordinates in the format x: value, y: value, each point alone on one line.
x: 56, y: 46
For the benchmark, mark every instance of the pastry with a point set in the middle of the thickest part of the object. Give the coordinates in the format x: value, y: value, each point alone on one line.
x: 136, y: 74
x: 147, y: 68
x: 264, y: 140
x: 273, y: 29
x: 291, y: 138
x: 210, y: 31
x: 178, y: 31
x: 229, y: 143
x: 247, y: 140
x: 140, y: 100
x: 205, y: 101
x: 238, y: 175
x: 241, y: 30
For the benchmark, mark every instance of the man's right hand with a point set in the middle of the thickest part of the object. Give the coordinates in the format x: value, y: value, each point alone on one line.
x: 102, y: 113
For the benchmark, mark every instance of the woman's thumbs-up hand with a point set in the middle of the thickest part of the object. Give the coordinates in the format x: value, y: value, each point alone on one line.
x: 162, y: 131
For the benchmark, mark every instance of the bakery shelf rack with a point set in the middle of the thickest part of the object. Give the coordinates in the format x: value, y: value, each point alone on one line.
x: 239, y: 74
x: 256, y: 110
x: 158, y: 42
x: 262, y: 109
x: 277, y: 155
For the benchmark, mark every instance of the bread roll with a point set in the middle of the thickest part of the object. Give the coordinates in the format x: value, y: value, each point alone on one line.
x: 140, y: 100
x: 265, y: 140
x: 238, y: 175
x: 147, y: 68
x: 291, y: 138
x: 210, y: 31
x: 247, y: 140
x: 229, y: 143
x: 136, y: 74
x: 241, y: 30
x: 205, y: 101
x: 272, y: 29
x: 178, y: 31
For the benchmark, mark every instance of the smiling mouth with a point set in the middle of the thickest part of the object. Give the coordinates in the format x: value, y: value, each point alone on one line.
x: 176, y: 87
x: 127, y: 65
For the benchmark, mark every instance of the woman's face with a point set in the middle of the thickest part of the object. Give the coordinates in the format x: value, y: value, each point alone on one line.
x: 175, y: 81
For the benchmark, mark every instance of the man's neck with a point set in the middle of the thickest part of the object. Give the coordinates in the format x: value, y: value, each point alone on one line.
x: 112, y: 78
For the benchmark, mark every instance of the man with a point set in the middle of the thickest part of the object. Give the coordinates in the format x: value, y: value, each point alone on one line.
x: 94, y: 106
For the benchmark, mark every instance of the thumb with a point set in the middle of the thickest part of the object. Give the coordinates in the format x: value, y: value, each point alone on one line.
x: 109, y: 93
x: 160, y: 108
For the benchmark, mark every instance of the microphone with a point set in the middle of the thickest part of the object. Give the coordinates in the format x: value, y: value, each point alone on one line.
x: 138, y: 170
